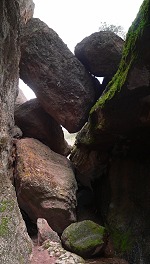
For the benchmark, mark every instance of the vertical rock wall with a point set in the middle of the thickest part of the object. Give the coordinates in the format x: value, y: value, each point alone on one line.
x: 15, y: 245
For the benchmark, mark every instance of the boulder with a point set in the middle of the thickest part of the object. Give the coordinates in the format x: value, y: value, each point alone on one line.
x: 21, y: 99
x: 45, y: 184
x: 26, y: 10
x: 36, y: 123
x: 45, y: 232
x: 84, y: 238
x: 100, y: 53
x: 62, y: 85
x: 15, y: 244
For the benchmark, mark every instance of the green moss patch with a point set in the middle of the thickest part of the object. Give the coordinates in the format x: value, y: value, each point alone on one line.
x: 130, y: 55
x: 4, y: 230
x: 6, y: 205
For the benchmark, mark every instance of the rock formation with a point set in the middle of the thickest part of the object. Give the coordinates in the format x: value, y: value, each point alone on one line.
x: 45, y: 184
x: 21, y: 99
x: 110, y: 160
x: 36, y: 123
x: 119, y: 126
x: 26, y: 8
x: 62, y: 85
x: 15, y: 245
x: 84, y: 238
x: 100, y: 53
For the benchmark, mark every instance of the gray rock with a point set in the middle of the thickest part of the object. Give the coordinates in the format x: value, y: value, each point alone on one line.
x: 84, y: 238
x: 62, y: 85
x: 21, y: 99
x: 15, y: 244
x: 100, y: 53
x: 26, y: 10
x: 45, y: 232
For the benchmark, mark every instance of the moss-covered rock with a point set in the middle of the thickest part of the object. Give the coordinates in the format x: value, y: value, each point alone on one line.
x: 84, y: 238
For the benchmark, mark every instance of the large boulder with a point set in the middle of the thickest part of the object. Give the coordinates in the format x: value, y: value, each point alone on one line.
x: 45, y: 184
x: 100, y: 53
x: 62, y: 85
x: 15, y: 244
x: 84, y: 238
x: 36, y: 123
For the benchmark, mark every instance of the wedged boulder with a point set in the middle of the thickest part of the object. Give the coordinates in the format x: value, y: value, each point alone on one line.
x: 84, y: 238
x: 15, y: 244
x: 100, y: 53
x: 21, y: 99
x: 61, y: 83
x: 45, y: 184
x: 36, y: 123
x: 26, y: 10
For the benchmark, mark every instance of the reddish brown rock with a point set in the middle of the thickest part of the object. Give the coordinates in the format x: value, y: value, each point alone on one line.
x: 45, y: 184
x: 45, y: 232
x: 62, y: 85
x: 100, y: 53
x: 36, y: 123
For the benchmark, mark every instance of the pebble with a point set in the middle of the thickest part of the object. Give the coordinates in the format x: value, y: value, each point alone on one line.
x: 62, y: 256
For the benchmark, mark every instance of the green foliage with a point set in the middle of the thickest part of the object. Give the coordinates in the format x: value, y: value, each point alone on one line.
x: 131, y: 55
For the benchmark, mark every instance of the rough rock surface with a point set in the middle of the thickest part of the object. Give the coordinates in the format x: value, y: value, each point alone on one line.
x: 21, y: 99
x: 119, y: 124
x: 62, y: 85
x: 36, y: 123
x: 84, y: 238
x: 26, y: 10
x: 100, y: 53
x: 15, y: 245
x: 45, y: 184
x: 45, y: 232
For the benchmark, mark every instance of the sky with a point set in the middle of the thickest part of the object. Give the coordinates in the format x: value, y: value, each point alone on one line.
x: 74, y: 20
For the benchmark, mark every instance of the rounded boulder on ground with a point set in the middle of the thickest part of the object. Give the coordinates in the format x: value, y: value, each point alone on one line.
x: 84, y: 238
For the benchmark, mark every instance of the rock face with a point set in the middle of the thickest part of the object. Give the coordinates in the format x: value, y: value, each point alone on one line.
x: 36, y: 123
x: 119, y: 125
x: 84, y: 238
x: 26, y: 10
x: 62, y: 85
x: 100, y: 53
x: 45, y: 232
x: 21, y: 99
x: 15, y: 245
x: 45, y: 184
